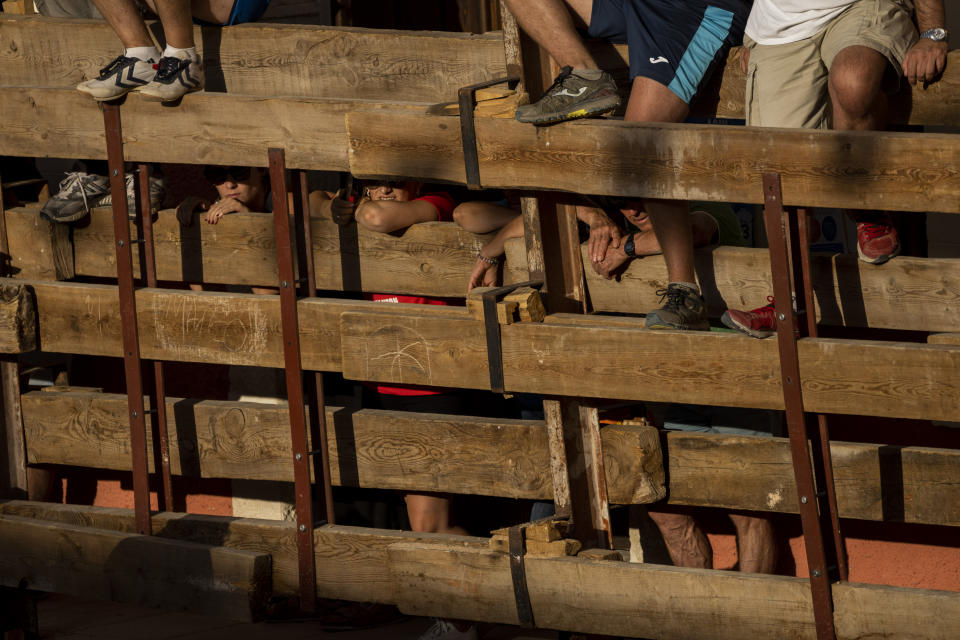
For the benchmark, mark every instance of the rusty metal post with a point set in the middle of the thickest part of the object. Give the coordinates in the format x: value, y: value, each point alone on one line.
x: 814, y: 509
x: 128, y: 318
x: 294, y: 376
x: 158, y: 401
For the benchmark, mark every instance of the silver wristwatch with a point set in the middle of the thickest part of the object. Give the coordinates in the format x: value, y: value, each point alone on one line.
x: 937, y: 34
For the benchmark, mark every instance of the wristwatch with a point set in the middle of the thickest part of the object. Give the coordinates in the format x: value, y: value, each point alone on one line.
x: 629, y: 248
x: 937, y: 34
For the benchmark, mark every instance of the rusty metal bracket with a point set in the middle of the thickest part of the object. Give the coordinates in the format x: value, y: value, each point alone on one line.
x: 492, y: 327
x: 515, y: 536
x: 468, y: 129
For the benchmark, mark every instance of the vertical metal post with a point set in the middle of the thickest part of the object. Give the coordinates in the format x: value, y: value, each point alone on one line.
x: 294, y: 376
x: 814, y: 511
x: 128, y: 317
x: 158, y: 401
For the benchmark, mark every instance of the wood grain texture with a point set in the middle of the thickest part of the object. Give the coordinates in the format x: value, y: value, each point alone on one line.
x: 673, y: 161
x: 873, y: 611
x: 18, y: 320
x: 269, y: 60
x: 144, y: 570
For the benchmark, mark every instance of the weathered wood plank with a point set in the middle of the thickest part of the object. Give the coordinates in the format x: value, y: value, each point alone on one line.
x: 269, y: 60
x: 18, y: 320
x: 212, y: 128
x: 673, y: 161
x: 874, y: 611
x: 124, y: 567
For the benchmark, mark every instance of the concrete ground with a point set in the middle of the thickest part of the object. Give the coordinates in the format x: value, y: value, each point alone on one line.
x: 67, y: 618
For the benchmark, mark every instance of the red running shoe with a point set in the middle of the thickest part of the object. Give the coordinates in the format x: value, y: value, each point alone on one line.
x: 759, y: 323
x: 877, y: 239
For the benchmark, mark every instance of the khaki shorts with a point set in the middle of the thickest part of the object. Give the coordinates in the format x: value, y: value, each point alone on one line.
x: 787, y: 83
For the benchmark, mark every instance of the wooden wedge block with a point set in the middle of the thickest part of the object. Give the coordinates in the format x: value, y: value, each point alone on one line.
x: 18, y: 319
x: 506, y: 308
x: 601, y: 554
x: 545, y: 530
x: 554, y: 549
x: 530, y: 306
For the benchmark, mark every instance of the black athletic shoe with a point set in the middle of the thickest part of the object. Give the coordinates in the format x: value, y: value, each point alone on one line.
x: 571, y: 97
x: 684, y: 309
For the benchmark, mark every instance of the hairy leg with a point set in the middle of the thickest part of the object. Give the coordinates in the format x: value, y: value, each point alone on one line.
x: 482, y: 217
x: 687, y: 544
x: 430, y: 514
x: 756, y: 544
x: 856, y: 89
x: 126, y: 22
x: 550, y: 24
x: 177, y: 19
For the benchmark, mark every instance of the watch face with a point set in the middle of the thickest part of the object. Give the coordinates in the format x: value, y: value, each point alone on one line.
x: 937, y: 34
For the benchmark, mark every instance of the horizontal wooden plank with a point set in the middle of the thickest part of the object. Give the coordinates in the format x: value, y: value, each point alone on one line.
x: 125, y: 567
x: 212, y: 128
x: 269, y: 60
x: 426, y: 344
x: 874, y: 611
x: 673, y: 161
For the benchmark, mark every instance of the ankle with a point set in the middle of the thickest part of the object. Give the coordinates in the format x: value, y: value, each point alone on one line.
x: 147, y: 54
x: 182, y: 53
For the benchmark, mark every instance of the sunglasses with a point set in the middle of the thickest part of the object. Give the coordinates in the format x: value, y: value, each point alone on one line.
x: 218, y: 175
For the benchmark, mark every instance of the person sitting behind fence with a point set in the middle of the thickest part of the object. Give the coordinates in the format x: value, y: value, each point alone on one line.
x: 141, y: 67
x: 484, y: 217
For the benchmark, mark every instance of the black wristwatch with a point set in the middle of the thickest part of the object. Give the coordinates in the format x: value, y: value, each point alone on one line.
x: 629, y: 248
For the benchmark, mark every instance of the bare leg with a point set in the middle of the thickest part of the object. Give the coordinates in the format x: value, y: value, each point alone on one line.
x: 856, y: 89
x: 651, y: 101
x: 213, y: 11
x: 687, y: 544
x: 126, y: 22
x: 177, y: 20
x: 482, y: 217
x: 430, y: 514
x: 550, y: 24
x: 756, y: 544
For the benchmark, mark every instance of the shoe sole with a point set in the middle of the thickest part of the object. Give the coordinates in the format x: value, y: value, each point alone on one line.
x: 109, y: 98
x: 736, y: 326
x: 149, y: 97
x: 658, y: 324
x: 583, y: 111
x: 73, y: 217
x: 879, y: 259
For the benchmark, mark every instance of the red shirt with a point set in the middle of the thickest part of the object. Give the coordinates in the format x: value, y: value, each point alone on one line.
x: 444, y: 205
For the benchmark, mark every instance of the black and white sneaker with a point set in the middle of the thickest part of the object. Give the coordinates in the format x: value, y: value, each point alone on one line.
x: 77, y: 193
x: 158, y: 190
x: 121, y: 76
x: 175, y: 78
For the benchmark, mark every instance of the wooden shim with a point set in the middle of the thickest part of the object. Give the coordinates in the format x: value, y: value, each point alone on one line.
x: 874, y: 611
x: 597, y: 596
x: 212, y: 128
x: 18, y: 320
x: 952, y: 339
x: 269, y: 60
x: 673, y: 161
x: 125, y: 567
x: 33, y: 243
x: 554, y: 548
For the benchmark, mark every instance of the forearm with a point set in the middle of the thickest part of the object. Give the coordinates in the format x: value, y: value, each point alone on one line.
x: 930, y: 14
x: 386, y: 216
x: 645, y: 243
x: 497, y: 246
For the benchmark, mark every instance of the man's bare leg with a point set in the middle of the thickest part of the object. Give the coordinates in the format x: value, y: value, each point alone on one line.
x: 687, y: 544
x: 177, y: 20
x: 125, y: 20
x: 756, y: 544
x: 550, y: 24
x: 856, y: 89
x: 431, y: 514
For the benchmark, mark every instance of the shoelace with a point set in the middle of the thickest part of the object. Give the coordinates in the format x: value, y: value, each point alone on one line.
x: 75, y: 180
x: 168, y: 67
x: 565, y: 73
x: 674, y: 296
x: 872, y: 230
x: 119, y: 61
x: 766, y: 312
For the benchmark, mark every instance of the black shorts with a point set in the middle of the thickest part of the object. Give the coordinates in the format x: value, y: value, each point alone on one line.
x: 678, y: 43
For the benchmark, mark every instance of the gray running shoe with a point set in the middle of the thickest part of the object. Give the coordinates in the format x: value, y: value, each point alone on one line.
x: 76, y: 194
x: 571, y: 97
x: 683, y: 310
x: 175, y: 78
x: 121, y: 76
x: 158, y: 189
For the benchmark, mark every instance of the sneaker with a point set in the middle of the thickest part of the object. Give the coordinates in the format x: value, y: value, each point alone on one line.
x: 158, y: 189
x: 684, y: 310
x: 76, y: 194
x: 445, y: 630
x: 120, y: 77
x: 877, y: 239
x: 759, y: 323
x: 175, y: 78
x: 570, y: 97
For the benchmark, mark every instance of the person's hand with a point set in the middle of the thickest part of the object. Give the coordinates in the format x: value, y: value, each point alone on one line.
x: 744, y: 60
x: 342, y: 209
x: 925, y: 61
x: 603, y: 235
x: 484, y: 275
x: 611, y: 264
x: 221, y: 208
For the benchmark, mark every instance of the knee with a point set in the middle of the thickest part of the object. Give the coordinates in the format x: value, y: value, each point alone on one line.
x: 465, y: 215
x: 853, y: 91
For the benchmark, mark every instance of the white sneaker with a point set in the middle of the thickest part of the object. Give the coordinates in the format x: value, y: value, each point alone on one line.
x: 121, y: 76
x: 444, y: 630
x: 175, y: 78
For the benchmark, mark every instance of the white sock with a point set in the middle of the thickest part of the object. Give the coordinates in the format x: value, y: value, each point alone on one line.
x: 147, y: 54
x: 588, y: 74
x: 190, y: 53
x: 688, y: 285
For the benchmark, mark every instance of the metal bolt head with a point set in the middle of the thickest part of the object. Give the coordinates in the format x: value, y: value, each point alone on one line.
x: 303, y: 528
x: 816, y: 573
x: 782, y: 317
x: 116, y: 172
x: 119, y: 243
x: 135, y: 414
x: 803, y: 499
x: 284, y: 284
x: 298, y: 457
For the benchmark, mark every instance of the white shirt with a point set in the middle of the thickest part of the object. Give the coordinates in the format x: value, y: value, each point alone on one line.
x: 783, y: 21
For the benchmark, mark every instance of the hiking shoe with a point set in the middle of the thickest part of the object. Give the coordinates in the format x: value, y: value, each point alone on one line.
x: 572, y: 96
x: 759, y: 323
x: 683, y: 310
x: 877, y: 239
x: 158, y: 189
x: 121, y: 76
x: 175, y: 78
x: 76, y: 194
x: 445, y: 630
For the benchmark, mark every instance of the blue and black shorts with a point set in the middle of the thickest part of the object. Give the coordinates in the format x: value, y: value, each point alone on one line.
x: 678, y: 43
x: 246, y: 11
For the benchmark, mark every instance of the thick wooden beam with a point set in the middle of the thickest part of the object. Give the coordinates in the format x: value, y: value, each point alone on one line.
x: 18, y: 320
x: 268, y: 60
x: 673, y: 161
x: 125, y: 567
x: 866, y: 610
